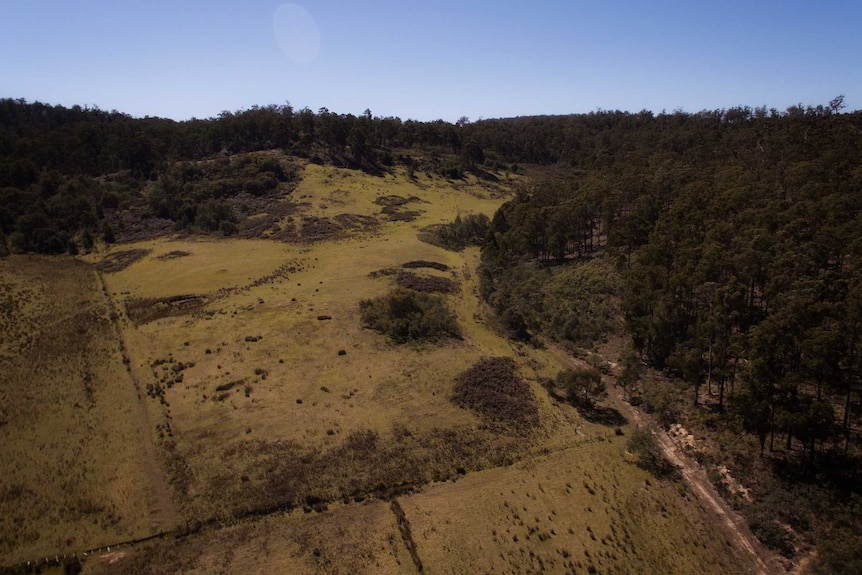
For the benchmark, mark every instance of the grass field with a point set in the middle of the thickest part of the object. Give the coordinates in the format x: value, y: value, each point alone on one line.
x: 584, y: 509
x: 75, y: 472
x: 258, y: 418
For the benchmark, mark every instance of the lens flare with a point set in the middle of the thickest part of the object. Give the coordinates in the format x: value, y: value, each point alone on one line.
x: 296, y: 33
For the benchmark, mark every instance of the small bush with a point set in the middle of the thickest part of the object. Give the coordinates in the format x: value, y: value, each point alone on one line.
x: 405, y: 315
x: 774, y: 536
x: 414, y: 264
x: 663, y: 400
x: 228, y: 386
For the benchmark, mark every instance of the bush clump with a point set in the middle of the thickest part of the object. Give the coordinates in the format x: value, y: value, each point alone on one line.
x: 492, y: 387
x: 407, y: 315
x: 414, y: 264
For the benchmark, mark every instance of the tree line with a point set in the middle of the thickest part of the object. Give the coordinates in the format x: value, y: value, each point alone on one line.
x: 730, y: 243
x: 738, y: 254
x: 60, y: 168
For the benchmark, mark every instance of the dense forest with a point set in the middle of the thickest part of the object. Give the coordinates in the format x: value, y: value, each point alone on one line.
x: 730, y: 244
x: 724, y: 244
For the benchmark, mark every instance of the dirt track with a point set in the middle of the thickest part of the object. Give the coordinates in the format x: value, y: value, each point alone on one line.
x: 164, y: 512
x: 696, y: 480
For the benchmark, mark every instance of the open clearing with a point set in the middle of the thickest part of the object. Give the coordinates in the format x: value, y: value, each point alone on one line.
x: 263, y: 429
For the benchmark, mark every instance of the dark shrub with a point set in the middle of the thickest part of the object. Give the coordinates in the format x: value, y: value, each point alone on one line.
x: 583, y: 386
x: 492, y: 387
x: 406, y: 315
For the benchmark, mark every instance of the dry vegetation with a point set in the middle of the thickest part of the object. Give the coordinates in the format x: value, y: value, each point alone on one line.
x: 226, y: 393
x: 493, y: 388
x: 77, y: 470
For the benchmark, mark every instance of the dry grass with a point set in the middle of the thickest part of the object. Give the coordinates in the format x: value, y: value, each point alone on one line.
x: 308, y: 386
x: 360, y: 539
x: 74, y: 472
x: 579, y: 510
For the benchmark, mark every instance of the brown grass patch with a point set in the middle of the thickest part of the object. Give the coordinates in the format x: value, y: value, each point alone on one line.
x: 395, y: 200
x: 393, y: 208
x: 428, y: 284
x: 415, y: 264
x: 492, y: 388
x: 118, y: 261
x: 144, y: 310
x: 261, y: 476
x: 312, y: 229
x: 76, y: 472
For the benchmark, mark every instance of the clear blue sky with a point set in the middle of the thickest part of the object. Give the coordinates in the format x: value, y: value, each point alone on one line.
x: 430, y: 59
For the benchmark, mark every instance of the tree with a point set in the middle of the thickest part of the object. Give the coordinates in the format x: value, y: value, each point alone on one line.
x: 583, y: 386
x: 357, y: 140
x: 471, y: 154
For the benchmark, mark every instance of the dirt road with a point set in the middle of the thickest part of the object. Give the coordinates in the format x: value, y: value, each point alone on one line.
x: 695, y: 478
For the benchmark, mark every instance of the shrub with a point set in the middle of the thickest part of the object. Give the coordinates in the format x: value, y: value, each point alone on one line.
x: 583, y: 386
x: 414, y: 264
x: 663, y: 400
x: 774, y: 536
x: 406, y: 315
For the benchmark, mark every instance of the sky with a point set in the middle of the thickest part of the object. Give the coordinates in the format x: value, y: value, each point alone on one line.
x: 428, y: 60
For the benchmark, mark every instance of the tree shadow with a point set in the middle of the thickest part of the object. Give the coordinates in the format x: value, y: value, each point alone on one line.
x: 483, y: 174
x: 593, y: 413
x: 603, y: 415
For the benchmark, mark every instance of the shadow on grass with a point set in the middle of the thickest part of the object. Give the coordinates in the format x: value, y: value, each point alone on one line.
x: 603, y: 415
x: 484, y: 175
x: 594, y: 413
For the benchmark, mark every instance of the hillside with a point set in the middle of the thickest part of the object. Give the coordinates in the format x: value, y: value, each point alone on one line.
x: 411, y: 347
